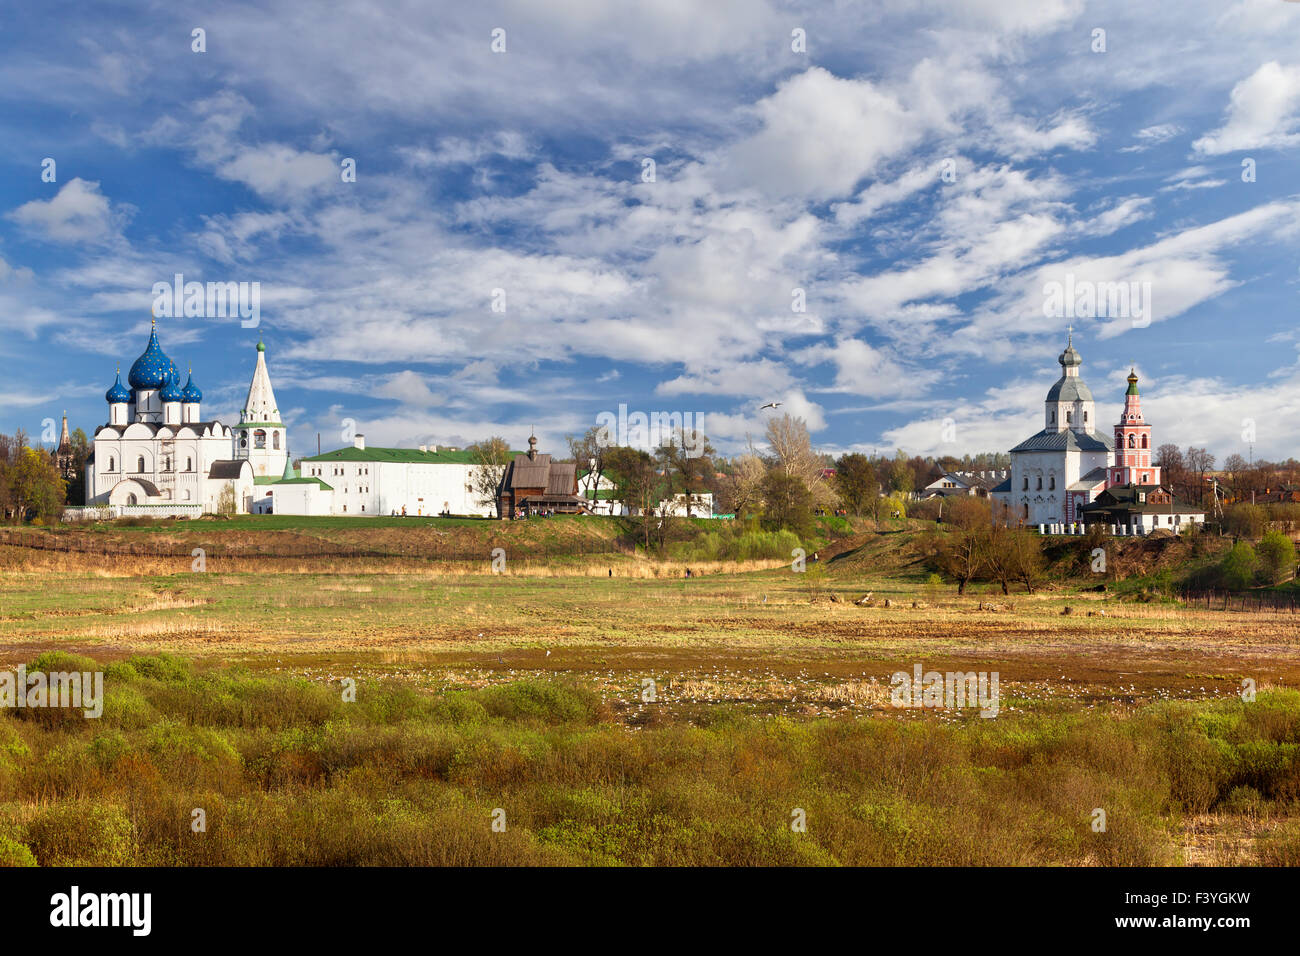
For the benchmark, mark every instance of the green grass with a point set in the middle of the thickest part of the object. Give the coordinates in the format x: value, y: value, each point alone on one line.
x: 276, y: 523
x: 287, y: 772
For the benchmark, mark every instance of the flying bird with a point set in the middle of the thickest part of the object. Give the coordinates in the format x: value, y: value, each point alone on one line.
x: 771, y: 405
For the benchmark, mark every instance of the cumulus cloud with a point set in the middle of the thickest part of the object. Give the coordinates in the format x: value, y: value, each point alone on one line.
x: 78, y: 212
x: 1263, y: 113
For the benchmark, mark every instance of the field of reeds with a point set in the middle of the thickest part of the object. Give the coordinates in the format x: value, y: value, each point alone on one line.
x: 286, y: 771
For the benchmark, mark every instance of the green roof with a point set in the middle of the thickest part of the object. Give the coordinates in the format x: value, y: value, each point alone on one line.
x: 304, y: 481
x: 400, y: 455
x: 265, y: 480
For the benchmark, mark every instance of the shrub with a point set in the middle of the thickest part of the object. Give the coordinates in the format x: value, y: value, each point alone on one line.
x: 82, y: 833
x: 1237, y: 570
x: 13, y: 853
x: 1277, y: 556
x: 542, y: 700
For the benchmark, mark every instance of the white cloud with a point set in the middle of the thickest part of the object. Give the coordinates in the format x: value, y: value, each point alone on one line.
x: 861, y: 369
x: 78, y: 212
x: 1263, y: 113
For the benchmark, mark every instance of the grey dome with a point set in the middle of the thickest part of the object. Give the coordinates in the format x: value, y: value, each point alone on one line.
x: 1069, y: 389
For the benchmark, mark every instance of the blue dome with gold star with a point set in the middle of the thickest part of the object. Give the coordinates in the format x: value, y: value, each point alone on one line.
x: 191, y: 392
x: 172, y: 392
x: 119, y: 392
x: 153, y: 369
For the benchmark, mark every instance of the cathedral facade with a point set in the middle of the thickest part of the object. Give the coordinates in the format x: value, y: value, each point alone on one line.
x: 157, y: 455
x: 1069, y: 473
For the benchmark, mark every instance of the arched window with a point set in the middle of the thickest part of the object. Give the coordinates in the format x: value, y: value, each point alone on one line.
x: 1040, y: 483
x: 1144, y: 441
x: 189, y: 464
x: 1132, y: 441
x: 259, y: 438
x: 130, y: 499
x: 1053, y: 418
x: 1069, y: 418
x: 111, y: 464
x: 1051, y: 483
x: 1026, y: 488
x: 275, y: 440
x: 139, y: 464
x: 243, y: 439
x: 1085, y: 417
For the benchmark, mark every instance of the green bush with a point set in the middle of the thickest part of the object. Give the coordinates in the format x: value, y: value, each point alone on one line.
x: 1237, y: 571
x: 13, y: 853
x: 1276, y: 556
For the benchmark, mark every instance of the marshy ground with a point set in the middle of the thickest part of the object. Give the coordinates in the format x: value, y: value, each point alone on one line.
x: 528, y: 692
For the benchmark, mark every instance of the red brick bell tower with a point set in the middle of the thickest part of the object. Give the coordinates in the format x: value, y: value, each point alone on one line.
x: 1133, y: 445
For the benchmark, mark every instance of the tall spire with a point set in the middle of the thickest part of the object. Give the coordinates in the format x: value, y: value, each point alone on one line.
x: 260, y: 406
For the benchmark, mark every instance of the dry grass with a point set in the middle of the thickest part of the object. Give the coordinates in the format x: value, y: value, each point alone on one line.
x: 288, y: 773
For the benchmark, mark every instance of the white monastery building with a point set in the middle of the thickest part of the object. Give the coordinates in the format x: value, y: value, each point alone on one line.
x: 364, y: 481
x: 1071, y: 474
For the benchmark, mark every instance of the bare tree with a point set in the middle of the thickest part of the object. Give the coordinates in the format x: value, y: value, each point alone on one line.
x: 588, y: 451
x: 791, y: 445
x: 490, y: 459
x: 744, y: 485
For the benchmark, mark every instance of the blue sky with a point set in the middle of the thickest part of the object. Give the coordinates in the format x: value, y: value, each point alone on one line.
x: 922, y: 171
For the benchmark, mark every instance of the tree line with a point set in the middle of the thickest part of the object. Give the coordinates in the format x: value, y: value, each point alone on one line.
x: 31, y: 487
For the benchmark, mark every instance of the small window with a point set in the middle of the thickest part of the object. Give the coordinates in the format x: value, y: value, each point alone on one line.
x: 111, y: 464
x: 139, y: 464
x: 189, y: 464
x: 1051, y: 483
x: 1069, y: 418
x: 1040, y: 483
x: 1132, y: 441
x: 275, y: 440
x: 1026, y: 487
x: 1144, y: 441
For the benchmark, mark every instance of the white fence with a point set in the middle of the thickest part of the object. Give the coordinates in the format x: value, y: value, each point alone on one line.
x: 112, y: 512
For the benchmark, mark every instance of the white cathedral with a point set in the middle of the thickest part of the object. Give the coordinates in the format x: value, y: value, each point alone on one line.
x: 1071, y: 475
x: 157, y: 456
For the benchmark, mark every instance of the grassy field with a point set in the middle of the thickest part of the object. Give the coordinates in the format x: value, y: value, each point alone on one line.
x: 526, y: 692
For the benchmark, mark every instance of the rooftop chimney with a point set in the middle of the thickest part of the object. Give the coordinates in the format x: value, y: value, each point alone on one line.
x: 424, y: 448
x: 359, y: 441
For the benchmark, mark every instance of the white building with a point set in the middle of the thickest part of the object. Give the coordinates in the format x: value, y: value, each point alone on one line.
x: 383, y: 481
x: 156, y: 456
x: 1069, y: 474
x: 970, y: 483
x: 602, y: 499
x: 1064, y: 465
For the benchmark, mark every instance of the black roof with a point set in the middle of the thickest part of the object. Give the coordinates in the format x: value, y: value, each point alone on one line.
x: 1126, y: 499
x: 227, y: 469
x: 1068, y: 440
